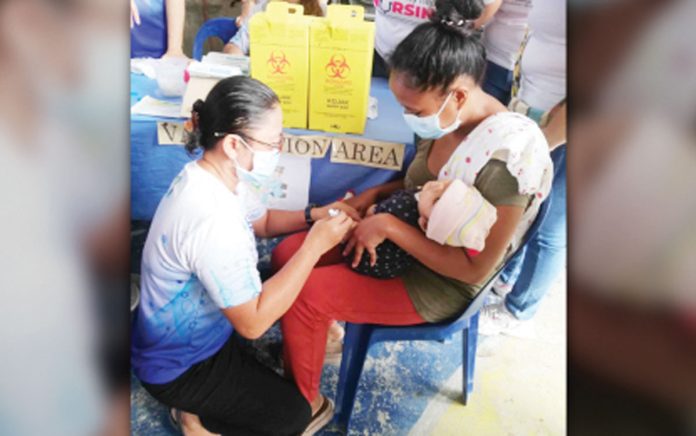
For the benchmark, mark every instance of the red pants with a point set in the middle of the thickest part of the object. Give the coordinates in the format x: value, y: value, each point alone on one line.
x: 333, y: 291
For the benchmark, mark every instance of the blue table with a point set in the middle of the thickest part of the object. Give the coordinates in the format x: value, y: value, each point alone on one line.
x: 153, y: 167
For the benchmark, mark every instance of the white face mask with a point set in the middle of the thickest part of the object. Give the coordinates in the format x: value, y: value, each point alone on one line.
x: 429, y: 127
x: 263, y: 166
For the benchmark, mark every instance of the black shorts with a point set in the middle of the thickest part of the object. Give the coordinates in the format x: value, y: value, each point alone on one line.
x: 234, y: 394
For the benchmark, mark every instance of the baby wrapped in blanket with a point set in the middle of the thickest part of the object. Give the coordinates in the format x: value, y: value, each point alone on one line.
x: 507, y: 137
x: 449, y: 212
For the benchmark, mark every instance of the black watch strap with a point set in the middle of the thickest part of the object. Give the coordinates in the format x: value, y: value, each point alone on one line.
x: 308, y: 213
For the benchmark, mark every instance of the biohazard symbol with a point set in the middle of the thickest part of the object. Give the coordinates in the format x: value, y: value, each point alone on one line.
x: 337, y: 68
x: 278, y: 62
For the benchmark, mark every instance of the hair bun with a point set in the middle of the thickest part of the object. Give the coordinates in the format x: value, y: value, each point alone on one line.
x: 195, y: 136
x: 458, y: 15
x: 198, y: 105
x: 196, y: 111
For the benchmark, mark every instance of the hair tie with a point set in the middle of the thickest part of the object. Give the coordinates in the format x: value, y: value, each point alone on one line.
x: 461, y: 24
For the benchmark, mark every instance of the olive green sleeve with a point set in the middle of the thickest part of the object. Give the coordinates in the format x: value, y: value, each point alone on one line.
x: 498, y: 186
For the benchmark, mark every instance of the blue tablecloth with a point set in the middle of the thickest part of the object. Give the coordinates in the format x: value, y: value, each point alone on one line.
x: 153, y: 167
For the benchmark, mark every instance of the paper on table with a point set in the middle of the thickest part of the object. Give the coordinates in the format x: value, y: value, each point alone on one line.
x: 227, y: 59
x: 156, y: 108
x: 294, y: 173
x: 146, y: 66
x: 213, y: 71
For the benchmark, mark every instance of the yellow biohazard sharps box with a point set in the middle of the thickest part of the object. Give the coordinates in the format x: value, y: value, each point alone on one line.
x: 279, y: 52
x: 341, y: 51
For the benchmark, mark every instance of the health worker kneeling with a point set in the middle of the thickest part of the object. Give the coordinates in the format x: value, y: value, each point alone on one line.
x: 201, y: 289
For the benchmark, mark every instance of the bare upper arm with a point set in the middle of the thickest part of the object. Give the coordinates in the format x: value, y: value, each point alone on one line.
x: 243, y: 319
x: 260, y: 226
x: 498, y: 240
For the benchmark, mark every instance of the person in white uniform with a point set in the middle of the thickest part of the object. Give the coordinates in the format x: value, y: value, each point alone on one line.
x: 532, y: 272
x: 201, y: 290
x: 503, y: 37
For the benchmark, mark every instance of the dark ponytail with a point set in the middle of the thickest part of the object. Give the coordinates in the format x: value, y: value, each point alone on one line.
x: 233, y: 105
x: 446, y: 47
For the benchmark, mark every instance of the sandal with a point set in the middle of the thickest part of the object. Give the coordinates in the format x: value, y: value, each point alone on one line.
x: 320, y: 418
x: 175, y: 420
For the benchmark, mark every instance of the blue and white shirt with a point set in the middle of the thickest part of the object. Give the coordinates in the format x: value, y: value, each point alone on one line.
x: 200, y: 257
x: 149, y: 38
x: 241, y: 38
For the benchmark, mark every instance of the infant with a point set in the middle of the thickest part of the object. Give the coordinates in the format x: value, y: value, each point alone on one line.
x: 449, y: 212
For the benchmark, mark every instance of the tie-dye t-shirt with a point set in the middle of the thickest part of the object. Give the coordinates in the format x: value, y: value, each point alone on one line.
x: 200, y: 257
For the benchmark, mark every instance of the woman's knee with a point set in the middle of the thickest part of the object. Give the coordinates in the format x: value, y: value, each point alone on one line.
x: 318, y: 287
x: 311, y: 303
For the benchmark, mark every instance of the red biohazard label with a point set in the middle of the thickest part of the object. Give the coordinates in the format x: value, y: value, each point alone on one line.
x: 338, y: 68
x: 278, y: 62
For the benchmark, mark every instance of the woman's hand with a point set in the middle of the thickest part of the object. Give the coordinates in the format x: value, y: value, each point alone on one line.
x: 362, y: 202
x: 323, y: 212
x: 368, y: 235
x: 429, y: 195
x: 326, y: 233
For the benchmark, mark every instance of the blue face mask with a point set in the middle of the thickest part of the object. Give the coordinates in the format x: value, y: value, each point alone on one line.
x: 429, y: 127
x: 264, y: 165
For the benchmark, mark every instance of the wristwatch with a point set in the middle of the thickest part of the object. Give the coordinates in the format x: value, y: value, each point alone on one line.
x: 308, y: 213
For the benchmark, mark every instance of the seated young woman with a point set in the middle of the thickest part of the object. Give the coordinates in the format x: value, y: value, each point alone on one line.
x: 436, y: 75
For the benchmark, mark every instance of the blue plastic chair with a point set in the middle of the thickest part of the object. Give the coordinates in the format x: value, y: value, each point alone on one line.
x: 222, y: 28
x: 360, y: 337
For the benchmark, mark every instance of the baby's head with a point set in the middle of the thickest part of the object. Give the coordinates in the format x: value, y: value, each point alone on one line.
x: 455, y: 214
x: 428, y: 197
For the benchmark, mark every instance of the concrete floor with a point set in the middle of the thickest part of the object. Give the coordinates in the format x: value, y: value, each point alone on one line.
x: 415, y: 388
x: 520, y: 384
